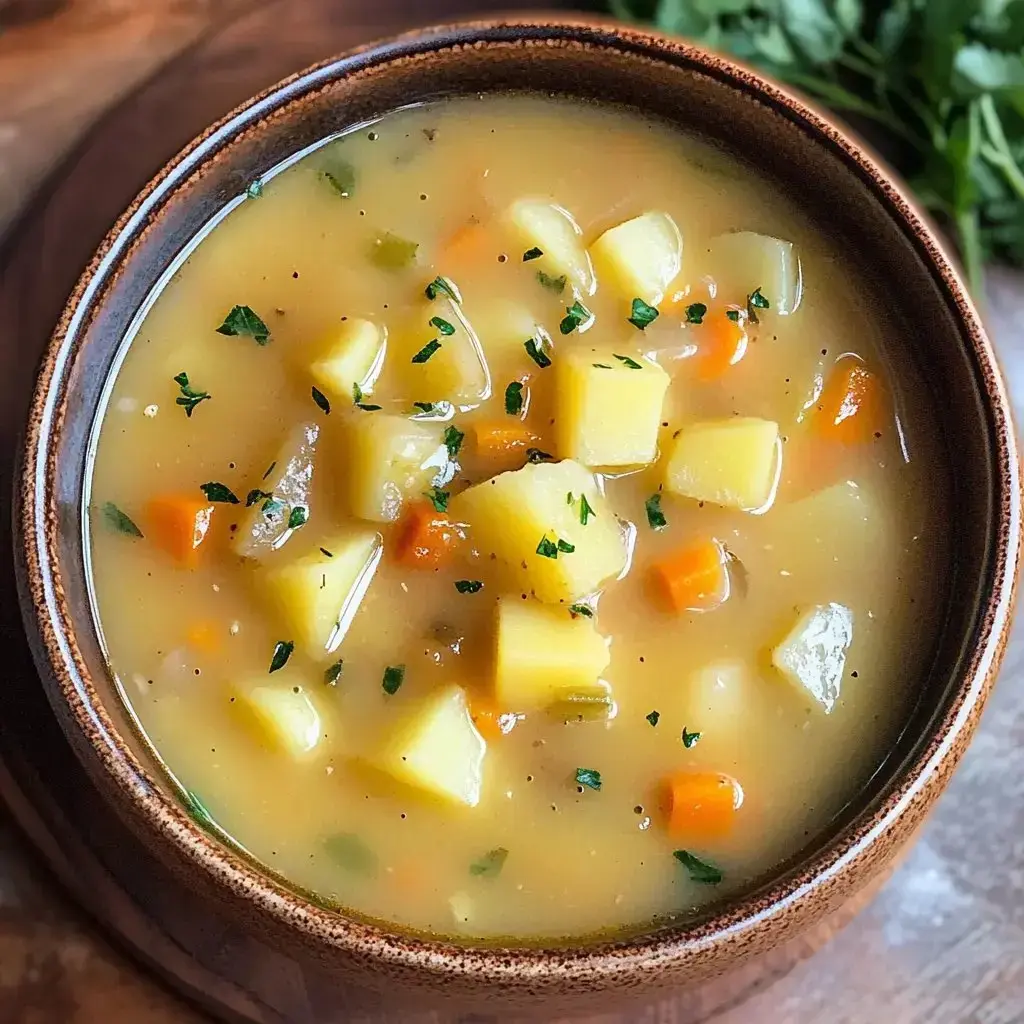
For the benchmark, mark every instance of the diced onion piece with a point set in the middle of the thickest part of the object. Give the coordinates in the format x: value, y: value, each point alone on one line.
x: 813, y: 656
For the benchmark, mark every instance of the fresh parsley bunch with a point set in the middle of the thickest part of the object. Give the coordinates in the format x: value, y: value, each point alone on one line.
x: 937, y: 85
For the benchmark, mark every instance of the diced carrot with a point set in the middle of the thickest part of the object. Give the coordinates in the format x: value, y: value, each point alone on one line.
x: 178, y: 524
x: 694, y: 578
x: 503, y: 444
x: 491, y: 723
x: 470, y: 244
x: 699, y: 805
x: 851, y: 408
x: 204, y: 636
x: 426, y: 538
x: 722, y: 343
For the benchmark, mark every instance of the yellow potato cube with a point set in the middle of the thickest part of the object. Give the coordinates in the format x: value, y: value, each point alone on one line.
x: 641, y: 257
x: 436, y: 748
x: 743, y: 261
x: 388, y: 459
x: 609, y: 411
x: 733, y: 462
x: 547, y: 657
x: 352, y: 356
x: 813, y: 655
x: 549, y: 227
x: 317, y: 596
x: 529, y: 518
x: 284, y: 714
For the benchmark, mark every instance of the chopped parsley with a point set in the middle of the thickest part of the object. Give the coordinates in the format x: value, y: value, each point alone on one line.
x: 357, y: 394
x: 298, y: 516
x: 643, y: 314
x: 695, y: 313
x: 553, y: 284
x: 254, y: 189
x: 366, y: 407
x: 734, y: 315
x: 575, y: 317
x: 514, y: 398
x: 547, y: 548
x: 699, y: 870
x: 120, y: 521
x: 490, y: 864
x: 333, y: 673
x: 655, y: 517
x: 446, y: 328
x: 536, y: 455
x: 532, y: 254
x: 453, y: 438
x: 428, y: 408
x: 257, y: 495
x: 468, y: 586
x: 394, y: 676
x: 585, y: 510
x: 631, y: 363
x: 438, y: 497
x: 392, y: 252
x: 321, y: 400
x: 654, y: 717
x: 690, y: 738
x: 215, y: 491
x: 565, y: 547
x: 442, y: 286
x: 588, y: 777
x: 189, y: 397
x: 341, y: 176
x: 537, y: 354
x: 427, y: 351
x: 601, y: 366
x: 756, y: 301
x: 242, y: 321
x: 350, y: 852
x: 282, y: 652
x: 326, y: 553
x: 576, y: 610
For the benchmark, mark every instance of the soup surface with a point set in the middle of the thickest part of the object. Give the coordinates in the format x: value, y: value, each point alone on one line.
x: 513, y: 519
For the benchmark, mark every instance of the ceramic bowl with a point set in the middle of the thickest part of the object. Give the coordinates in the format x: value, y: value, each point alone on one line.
x: 841, y: 186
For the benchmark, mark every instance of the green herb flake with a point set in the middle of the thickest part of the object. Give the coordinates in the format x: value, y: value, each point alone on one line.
x: 254, y: 190
x: 442, y: 286
x: 532, y: 254
x: 514, y: 398
x: 553, y: 284
x: 218, y: 492
x: 585, y: 510
x: 333, y: 673
x: 575, y: 317
x: 282, y: 652
x: 438, y: 498
x: 565, y: 547
x: 643, y: 314
x: 468, y: 586
x: 298, y: 516
x: 569, y: 499
x: 756, y: 301
x: 427, y: 408
x: 197, y: 810
x: 341, y: 176
x: 349, y: 852
x: 326, y: 553
x: 588, y: 777
x: 537, y: 354
x: 699, y: 870
x: 243, y: 322
x: 547, y: 548
x: 366, y: 407
x: 490, y: 864
x: 654, y: 717
x: 690, y: 738
x: 391, y: 252
x: 394, y: 676
x: 427, y: 351
x: 446, y: 328
x: 189, y: 397
x: 576, y: 610
x: 272, y: 507
x: 257, y: 495
x: 270, y: 469
x: 601, y: 366
x: 627, y: 361
x: 734, y: 315
x: 119, y: 521
x: 453, y: 438
x: 321, y: 400
x: 696, y: 312
x: 655, y: 517
x: 357, y: 394
x: 535, y: 455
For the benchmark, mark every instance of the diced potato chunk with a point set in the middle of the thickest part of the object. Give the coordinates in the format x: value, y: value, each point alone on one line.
x: 436, y: 747
x: 743, y: 261
x: 353, y: 355
x: 285, y: 715
x: 318, y: 595
x: 641, y: 257
x: 503, y: 327
x: 515, y: 514
x: 609, y: 412
x: 813, y: 656
x: 264, y: 526
x: 732, y: 462
x: 547, y: 226
x: 546, y: 657
x: 389, y: 459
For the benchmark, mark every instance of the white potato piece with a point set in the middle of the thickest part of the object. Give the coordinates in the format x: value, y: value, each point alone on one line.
x: 284, y: 714
x: 389, y: 458
x: 813, y: 655
x: 510, y: 516
x: 640, y: 258
x: 742, y: 261
x: 352, y: 357
x: 435, y: 747
x: 545, y: 657
x: 733, y: 462
x: 264, y: 527
x: 317, y: 596
x: 609, y: 412
x: 541, y: 224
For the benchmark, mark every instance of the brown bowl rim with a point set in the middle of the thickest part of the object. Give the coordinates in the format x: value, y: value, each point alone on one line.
x: 50, y: 626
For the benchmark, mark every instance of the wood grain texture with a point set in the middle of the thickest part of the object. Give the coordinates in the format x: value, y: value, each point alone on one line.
x: 943, y: 944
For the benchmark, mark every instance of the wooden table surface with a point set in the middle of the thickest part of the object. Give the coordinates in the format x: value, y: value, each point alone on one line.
x: 942, y: 944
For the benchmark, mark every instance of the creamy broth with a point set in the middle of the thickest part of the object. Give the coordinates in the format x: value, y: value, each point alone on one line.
x: 321, y: 784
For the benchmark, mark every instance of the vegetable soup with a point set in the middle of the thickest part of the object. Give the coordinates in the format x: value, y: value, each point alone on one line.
x: 513, y: 518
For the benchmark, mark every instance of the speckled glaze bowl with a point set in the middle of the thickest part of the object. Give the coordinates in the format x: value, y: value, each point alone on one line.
x: 361, y: 964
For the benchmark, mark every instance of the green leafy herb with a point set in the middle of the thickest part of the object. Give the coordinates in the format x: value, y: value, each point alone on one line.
x: 655, y: 517
x: 197, y: 810
x: 350, y: 852
x: 272, y: 507
x: 468, y: 586
x: 575, y: 317
x: 342, y: 178
x: 654, y: 717
x: 189, y: 397
x: 453, y: 438
x: 367, y: 407
x: 588, y: 777
x: 242, y: 321
x: 565, y: 547
x: 442, y: 286
x: 699, y: 870
x: 254, y: 189
x: 576, y: 610
x: 643, y: 314
x: 532, y: 254
x: 490, y: 864
x: 218, y: 492
x: 438, y: 497
x: 585, y: 510
x: 690, y: 738
x: 257, y: 495
x: 537, y: 354
x: 357, y: 394
x: 428, y: 408
x: 446, y: 328
x: 569, y: 499
x: 333, y: 673
x: 514, y: 398
x: 282, y: 652
x: 755, y: 301
x: 536, y: 455
x: 394, y: 676
x: 553, y: 284
x: 119, y: 521
x: 695, y: 313
x: 547, y: 548
x: 270, y: 469
x: 627, y: 361
x: 321, y: 400
x: 392, y: 252
x: 298, y: 516
x: 734, y: 315
x: 601, y: 366
x: 427, y: 351
x: 328, y: 554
